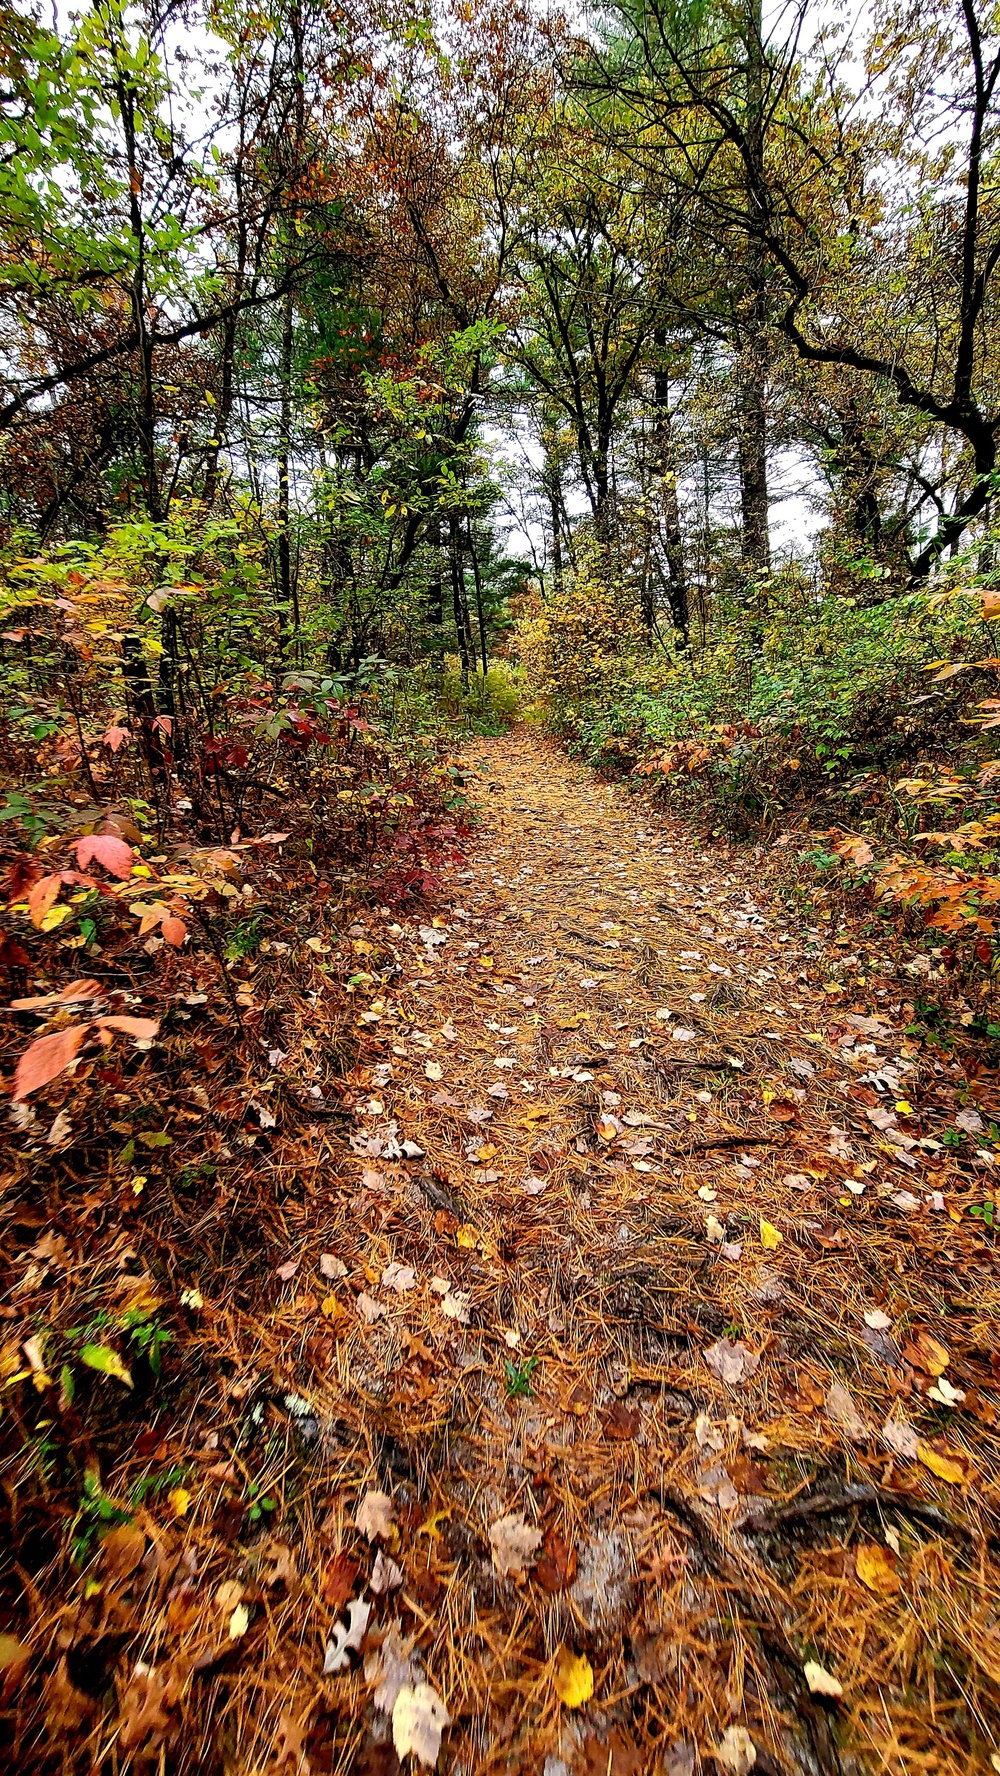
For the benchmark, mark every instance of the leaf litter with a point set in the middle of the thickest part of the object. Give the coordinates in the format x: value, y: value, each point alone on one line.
x: 566, y: 1467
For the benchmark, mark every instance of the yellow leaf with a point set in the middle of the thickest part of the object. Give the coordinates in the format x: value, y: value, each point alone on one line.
x: 430, y: 1528
x: 904, y: 1108
x: 179, y: 1501
x: 951, y: 1467
x: 876, y: 1570
x: 770, y: 1238
x: 486, y: 961
x: 467, y: 1236
x: 331, y: 1308
x: 572, y: 1678
x: 55, y: 916
x: 239, y: 1622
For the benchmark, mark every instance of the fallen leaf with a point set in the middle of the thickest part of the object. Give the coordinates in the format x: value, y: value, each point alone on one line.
x: 736, y: 1751
x: 732, y: 1363
x: 339, y: 1580
x: 13, y: 1652
x: 374, y: 1515
x: 946, y: 1464
x: 111, y: 853
x: 820, y: 1682
x: 770, y: 1238
x: 841, y: 1409
x: 106, y: 1361
x: 901, y: 1438
x: 368, y: 1308
x: 621, y: 1423
x: 514, y: 1544
x: 46, y: 1058
x: 347, y: 1637
x: 390, y: 1668
x: 331, y: 1267
x: 876, y: 1570
x: 572, y: 1678
x: 399, y: 1277
x: 877, y: 1320
x: 924, y: 1352
x: 386, y: 1575
x: 419, y: 1718
x: 555, y: 1568
x: 122, y: 1549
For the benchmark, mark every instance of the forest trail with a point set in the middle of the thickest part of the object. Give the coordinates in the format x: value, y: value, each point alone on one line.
x: 715, y: 1410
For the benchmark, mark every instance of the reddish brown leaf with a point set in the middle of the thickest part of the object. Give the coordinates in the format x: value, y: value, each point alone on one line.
x: 46, y: 1059
x: 620, y: 1422
x: 339, y: 1581
x: 555, y: 1568
x: 173, y: 931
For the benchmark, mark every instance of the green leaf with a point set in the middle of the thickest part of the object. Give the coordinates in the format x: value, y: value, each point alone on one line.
x: 106, y: 1361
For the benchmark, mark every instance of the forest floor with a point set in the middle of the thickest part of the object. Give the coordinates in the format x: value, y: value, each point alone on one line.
x: 630, y: 1354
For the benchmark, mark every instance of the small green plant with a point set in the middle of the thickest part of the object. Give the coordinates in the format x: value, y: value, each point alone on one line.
x: 95, y: 1511
x: 985, y: 1212
x: 149, y: 1338
x: 259, y: 1504
x: 244, y: 939
x: 519, y: 1379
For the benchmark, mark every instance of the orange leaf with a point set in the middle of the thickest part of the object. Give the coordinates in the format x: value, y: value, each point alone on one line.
x: 42, y: 895
x: 47, y: 1058
x: 173, y: 931
x: 143, y: 1029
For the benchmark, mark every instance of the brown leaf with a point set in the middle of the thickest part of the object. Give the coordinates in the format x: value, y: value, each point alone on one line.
x: 555, y: 1568
x: 621, y: 1423
x: 612, y: 1756
x: 924, y: 1352
x: 122, y: 1549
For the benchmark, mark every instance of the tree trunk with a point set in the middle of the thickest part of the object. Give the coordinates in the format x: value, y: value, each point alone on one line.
x: 665, y: 468
x: 435, y: 598
x: 753, y: 361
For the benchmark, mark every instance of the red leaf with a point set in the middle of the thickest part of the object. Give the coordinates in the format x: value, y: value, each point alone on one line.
x: 143, y: 1029
x: 114, y: 854
x: 42, y: 895
x: 173, y: 931
x: 47, y: 1058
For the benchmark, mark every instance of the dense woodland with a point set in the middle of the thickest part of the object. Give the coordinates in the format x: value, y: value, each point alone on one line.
x: 374, y: 379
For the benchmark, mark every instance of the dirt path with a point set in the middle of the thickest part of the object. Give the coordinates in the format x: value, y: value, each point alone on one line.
x: 582, y: 1350
x: 675, y: 1180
